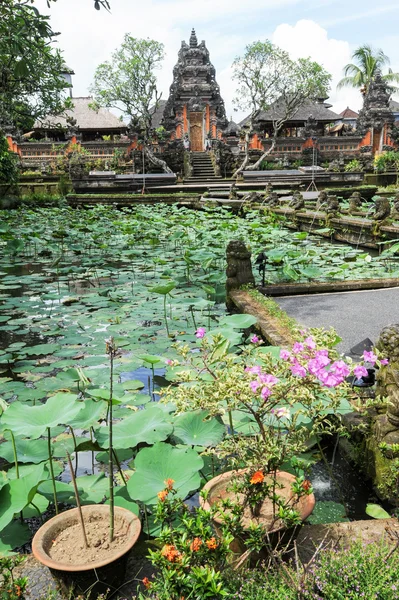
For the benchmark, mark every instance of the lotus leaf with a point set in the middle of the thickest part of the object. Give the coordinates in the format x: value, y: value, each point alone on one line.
x: 39, y: 501
x: 28, y: 451
x: 122, y: 498
x: 16, y: 494
x: 194, y: 428
x: 149, y: 425
x: 377, y: 512
x: 33, y: 421
x: 13, y: 536
x: 161, y: 462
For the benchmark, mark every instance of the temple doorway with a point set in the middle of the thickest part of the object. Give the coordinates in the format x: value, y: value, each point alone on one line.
x: 196, y: 132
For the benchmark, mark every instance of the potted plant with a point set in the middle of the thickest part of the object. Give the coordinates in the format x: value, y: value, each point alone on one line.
x: 276, y: 404
x: 86, y: 548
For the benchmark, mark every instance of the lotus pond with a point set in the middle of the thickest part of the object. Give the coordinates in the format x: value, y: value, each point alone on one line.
x: 148, y: 276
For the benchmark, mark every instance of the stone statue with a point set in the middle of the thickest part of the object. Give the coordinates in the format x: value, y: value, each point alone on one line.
x: 382, y: 209
x: 272, y: 200
x: 332, y: 206
x: 395, y: 209
x: 268, y: 190
x: 321, y: 200
x: 297, y: 202
x: 251, y: 197
x: 239, y: 268
x: 387, y: 426
x: 355, y: 203
x: 233, y: 192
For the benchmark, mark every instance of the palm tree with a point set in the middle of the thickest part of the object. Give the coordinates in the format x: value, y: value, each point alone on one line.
x: 369, y: 62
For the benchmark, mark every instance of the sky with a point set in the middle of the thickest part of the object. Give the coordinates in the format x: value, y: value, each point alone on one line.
x: 328, y: 31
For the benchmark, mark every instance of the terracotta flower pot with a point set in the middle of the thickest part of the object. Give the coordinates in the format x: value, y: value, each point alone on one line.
x: 98, y: 575
x: 279, y: 534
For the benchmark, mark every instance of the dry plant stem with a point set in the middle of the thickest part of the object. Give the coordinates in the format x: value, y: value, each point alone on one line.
x: 82, y: 524
x: 52, y: 470
x: 110, y: 455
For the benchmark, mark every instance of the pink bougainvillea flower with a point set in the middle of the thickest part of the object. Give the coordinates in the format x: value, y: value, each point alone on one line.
x: 310, y: 343
x: 265, y: 393
x: 299, y: 370
x: 256, y: 370
x: 255, y: 339
x: 269, y: 379
x: 340, y: 367
x: 384, y: 361
x: 254, y: 385
x: 330, y: 379
x: 283, y: 413
x: 200, y: 333
x: 369, y: 357
x: 360, y: 371
x: 285, y: 355
x: 297, y: 348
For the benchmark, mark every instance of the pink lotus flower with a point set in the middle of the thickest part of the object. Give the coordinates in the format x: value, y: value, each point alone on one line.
x: 200, y: 333
x: 169, y: 362
x: 285, y: 355
x: 255, y: 339
x: 369, y: 357
x: 384, y: 361
x: 360, y: 371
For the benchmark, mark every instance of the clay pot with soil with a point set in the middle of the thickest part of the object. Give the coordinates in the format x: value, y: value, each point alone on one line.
x: 96, y: 568
x: 220, y: 488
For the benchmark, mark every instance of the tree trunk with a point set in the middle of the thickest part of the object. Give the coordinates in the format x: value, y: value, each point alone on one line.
x: 255, y: 166
x: 246, y: 159
x: 157, y: 162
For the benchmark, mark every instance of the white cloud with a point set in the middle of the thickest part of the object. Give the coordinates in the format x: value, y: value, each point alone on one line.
x: 307, y: 38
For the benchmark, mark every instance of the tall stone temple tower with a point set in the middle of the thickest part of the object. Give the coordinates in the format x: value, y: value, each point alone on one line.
x: 195, y: 108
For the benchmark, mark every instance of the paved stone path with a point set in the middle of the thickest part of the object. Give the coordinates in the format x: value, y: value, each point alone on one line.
x: 355, y: 315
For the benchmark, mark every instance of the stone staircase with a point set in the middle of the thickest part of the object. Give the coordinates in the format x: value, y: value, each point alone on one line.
x: 203, y: 171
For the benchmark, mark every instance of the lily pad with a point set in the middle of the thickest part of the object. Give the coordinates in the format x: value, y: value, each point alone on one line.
x: 161, y: 462
x: 13, y: 536
x: 194, y: 428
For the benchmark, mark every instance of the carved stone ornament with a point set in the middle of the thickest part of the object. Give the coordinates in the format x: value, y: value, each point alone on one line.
x: 239, y: 267
x: 382, y: 209
x: 297, y: 202
x: 376, y: 111
x: 387, y: 426
x: 355, y: 203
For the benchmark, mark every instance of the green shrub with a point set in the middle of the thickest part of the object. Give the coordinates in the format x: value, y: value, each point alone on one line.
x: 354, y: 166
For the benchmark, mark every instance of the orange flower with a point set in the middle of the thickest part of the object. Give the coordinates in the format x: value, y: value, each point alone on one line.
x: 162, y: 495
x: 170, y: 553
x: 212, y: 544
x: 306, y: 485
x: 169, y: 483
x: 257, y: 477
x: 196, y: 544
x: 147, y: 583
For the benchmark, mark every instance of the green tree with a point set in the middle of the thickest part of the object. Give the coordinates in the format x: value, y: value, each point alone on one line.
x: 128, y: 82
x: 267, y: 77
x: 9, y: 170
x: 367, y: 62
x: 31, y: 84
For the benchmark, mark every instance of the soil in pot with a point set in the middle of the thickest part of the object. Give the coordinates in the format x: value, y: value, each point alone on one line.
x: 68, y: 546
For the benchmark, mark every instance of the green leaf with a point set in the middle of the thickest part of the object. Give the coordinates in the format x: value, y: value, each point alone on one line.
x: 16, y: 494
x: 161, y: 462
x: 152, y: 360
x: 377, y: 512
x: 33, y: 421
x: 238, y: 321
x: 133, y: 384
x: 163, y: 289
x: 327, y: 512
x: 193, y: 428
x: 28, y: 451
x: 91, y: 412
x: 92, y: 488
x: 122, y: 498
x: 13, y: 536
x: 42, y: 504
x: 149, y: 425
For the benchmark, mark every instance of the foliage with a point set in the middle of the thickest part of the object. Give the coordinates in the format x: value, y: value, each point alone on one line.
x: 12, y: 588
x: 386, y: 161
x: 367, y: 63
x: 266, y: 75
x: 274, y: 310
x: 9, y: 171
x: 128, y: 80
x: 354, y: 165
x: 31, y: 84
x: 274, y: 405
